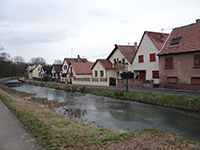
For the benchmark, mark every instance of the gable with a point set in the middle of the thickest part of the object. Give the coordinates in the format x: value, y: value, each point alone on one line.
x: 116, y: 55
x: 98, y: 66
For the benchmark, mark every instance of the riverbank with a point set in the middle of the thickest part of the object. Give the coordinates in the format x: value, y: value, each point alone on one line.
x: 190, y: 103
x: 55, y: 131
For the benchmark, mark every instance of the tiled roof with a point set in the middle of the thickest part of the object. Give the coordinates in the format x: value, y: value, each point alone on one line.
x: 190, y: 40
x: 57, y: 68
x: 128, y: 51
x: 70, y: 60
x: 104, y: 62
x: 157, y: 38
x: 82, y: 68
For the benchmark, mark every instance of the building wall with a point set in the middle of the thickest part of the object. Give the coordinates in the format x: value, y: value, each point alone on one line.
x: 83, y: 76
x: 63, y: 69
x: 30, y: 75
x: 36, y: 71
x: 118, y: 54
x: 146, y: 48
x: 182, y: 69
x: 98, y: 67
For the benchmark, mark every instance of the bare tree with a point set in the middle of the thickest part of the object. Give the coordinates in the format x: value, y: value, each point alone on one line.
x: 4, y: 56
x: 18, y: 60
x: 58, y: 62
x: 38, y: 60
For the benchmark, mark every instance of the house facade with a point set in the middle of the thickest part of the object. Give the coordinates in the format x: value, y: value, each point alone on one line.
x: 179, y: 60
x: 103, y: 73
x: 146, y: 63
x: 66, y: 69
x: 106, y: 71
x: 34, y: 71
x: 55, y: 72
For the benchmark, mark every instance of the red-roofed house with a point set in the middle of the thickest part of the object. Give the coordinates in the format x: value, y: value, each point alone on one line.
x: 107, y: 70
x: 82, y: 69
x: 146, y: 62
x: 66, y: 69
x: 179, y: 60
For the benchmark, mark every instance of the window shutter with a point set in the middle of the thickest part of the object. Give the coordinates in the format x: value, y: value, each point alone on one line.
x: 140, y: 58
x: 152, y: 57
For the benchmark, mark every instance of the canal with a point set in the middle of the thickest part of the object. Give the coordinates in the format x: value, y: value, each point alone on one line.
x: 119, y: 115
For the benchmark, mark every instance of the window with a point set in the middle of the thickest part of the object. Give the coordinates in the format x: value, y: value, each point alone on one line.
x: 140, y: 58
x: 115, y: 61
x: 169, y: 62
x: 195, y: 80
x: 123, y: 61
x: 117, y: 73
x: 173, y: 80
x: 197, y: 61
x: 101, y: 73
x: 95, y: 73
x: 38, y: 68
x: 152, y: 57
x: 155, y: 74
x: 176, y: 41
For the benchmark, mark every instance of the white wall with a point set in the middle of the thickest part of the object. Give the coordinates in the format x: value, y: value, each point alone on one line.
x: 146, y: 48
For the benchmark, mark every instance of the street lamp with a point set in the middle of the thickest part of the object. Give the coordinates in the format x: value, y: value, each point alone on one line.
x: 126, y: 65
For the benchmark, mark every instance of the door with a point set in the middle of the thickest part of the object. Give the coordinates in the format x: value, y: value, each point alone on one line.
x: 143, y: 75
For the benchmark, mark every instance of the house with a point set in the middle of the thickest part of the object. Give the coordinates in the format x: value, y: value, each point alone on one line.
x: 55, y: 72
x: 33, y: 71
x: 82, y: 69
x: 102, y: 71
x: 110, y: 69
x: 66, y: 69
x: 45, y: 73
x: 179, y: 59
x: 146, y: 62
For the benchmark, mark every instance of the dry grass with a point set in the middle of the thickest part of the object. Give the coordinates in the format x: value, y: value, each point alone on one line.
x: 54, y: 131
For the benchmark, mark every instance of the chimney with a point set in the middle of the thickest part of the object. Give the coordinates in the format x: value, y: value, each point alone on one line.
x: 135, y: 45
x: 79, y: 59
x: 198, y: 20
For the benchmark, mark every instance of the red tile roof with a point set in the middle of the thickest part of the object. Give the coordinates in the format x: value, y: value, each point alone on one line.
x: 190, y: 40
x: 82, y: 68
x: 104, y: 62
x: 70, y: 60
x: 128, y: 51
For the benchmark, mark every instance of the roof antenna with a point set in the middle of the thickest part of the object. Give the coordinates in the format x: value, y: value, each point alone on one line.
x: 72, y: 52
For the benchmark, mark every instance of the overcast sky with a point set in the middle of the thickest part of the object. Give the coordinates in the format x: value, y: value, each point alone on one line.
x: 52, y: 28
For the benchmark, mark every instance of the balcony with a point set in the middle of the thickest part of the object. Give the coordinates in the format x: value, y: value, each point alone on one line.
x: 119, y: 65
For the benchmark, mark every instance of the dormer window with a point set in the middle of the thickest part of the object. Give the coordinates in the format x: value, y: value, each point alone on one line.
x: 176, y: 41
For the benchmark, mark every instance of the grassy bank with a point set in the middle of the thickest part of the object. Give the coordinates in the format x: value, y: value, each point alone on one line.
x: 175, y: 101
x: 54, y: 131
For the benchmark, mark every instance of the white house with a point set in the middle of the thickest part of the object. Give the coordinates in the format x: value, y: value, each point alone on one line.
x: 146, y: 64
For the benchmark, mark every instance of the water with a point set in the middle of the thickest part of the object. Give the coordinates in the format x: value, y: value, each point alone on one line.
x: 122, y: 115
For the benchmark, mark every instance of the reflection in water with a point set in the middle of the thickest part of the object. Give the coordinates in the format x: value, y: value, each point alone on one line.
x: 123, y: 115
